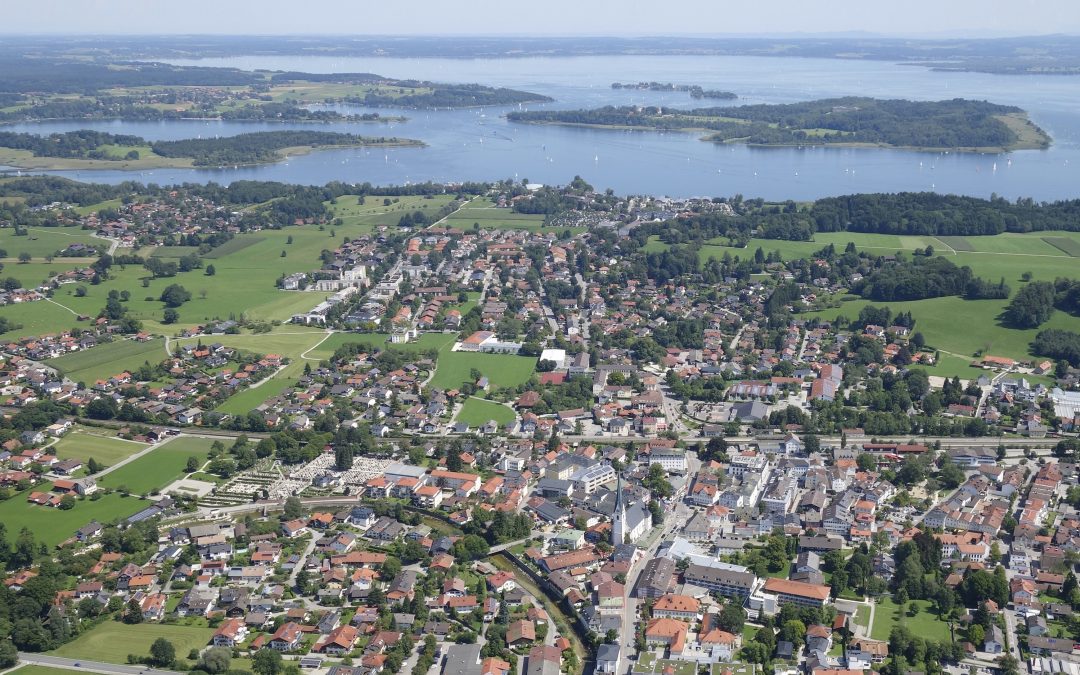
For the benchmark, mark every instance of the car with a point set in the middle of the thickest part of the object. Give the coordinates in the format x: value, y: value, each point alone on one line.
x: 77, y: 664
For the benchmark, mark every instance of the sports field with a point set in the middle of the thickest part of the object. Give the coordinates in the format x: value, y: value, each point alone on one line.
x: 112, y: 641
x: 477, y: 412
x: 160, y: 466
x: 86, y: 443
x: 106, y: 360
x: 53, y: 526
x: 502, y: 370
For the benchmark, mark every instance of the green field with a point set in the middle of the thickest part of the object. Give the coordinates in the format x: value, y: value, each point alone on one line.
x: 53, y: 526
x: 160, y: 466
x: 373, y: 212
x: 40, y: 670
x: 112, y: 641
x: 106, y: 360
x: 476, y: 412
x: 502, y: 370
x: 937, y: 319
x: 85, y: 443
x: 483, y: 211
x: 425, y: 342
x: 1069, y: 246
x: 924, y: 624
x: 45, y: 241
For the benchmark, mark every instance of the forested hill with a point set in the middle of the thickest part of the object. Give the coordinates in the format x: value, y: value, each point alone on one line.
x: 953, y: 124
x: 253, y: 148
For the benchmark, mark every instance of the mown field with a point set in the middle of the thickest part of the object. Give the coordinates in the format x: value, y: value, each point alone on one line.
x: 502, y: 370
x: 112, y: 641
x: 109, y: 359
x: 45, y: 241
x: 53, y: 526
x: 483, y: 212
x: 374, y: 212
x: 160, y: 466
x: 924, y: 624
x: 86, y: 443
x: 476, y: 412
x: 1006, y: 256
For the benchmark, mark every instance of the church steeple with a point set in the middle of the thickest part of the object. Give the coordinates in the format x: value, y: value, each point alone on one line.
x: 618, y: 518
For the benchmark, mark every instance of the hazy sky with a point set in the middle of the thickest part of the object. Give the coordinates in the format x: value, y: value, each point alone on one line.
x: 545, y: 17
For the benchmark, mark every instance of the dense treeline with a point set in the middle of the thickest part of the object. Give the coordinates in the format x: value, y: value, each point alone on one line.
x: 923, y: 278
x: 256, y: 147
x: 956, y: 123
x: 82, y: 144
x: 252, y: 148
x: 19, y: 73
x: 1058, y: 344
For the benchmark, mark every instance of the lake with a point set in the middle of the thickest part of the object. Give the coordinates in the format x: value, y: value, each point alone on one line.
x: 480, y: 144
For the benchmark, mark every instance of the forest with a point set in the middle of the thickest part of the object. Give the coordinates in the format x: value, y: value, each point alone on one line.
x: 414, y: 93
x: 957, y: 123
x: 923, y: 278
x: 253, y: 148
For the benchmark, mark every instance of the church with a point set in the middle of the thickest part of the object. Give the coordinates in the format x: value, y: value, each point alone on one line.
x: 629, y: 522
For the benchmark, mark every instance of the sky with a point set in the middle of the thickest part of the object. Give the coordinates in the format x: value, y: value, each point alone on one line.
x: 909, y: 18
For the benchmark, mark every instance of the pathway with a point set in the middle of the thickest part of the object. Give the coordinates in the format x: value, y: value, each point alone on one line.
x: 64, y: 306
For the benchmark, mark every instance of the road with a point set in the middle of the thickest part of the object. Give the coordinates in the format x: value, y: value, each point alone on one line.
x: 89, y: 666
x: 303, y: 560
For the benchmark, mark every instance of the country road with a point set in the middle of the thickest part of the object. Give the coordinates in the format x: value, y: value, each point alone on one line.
x: 89, y: 666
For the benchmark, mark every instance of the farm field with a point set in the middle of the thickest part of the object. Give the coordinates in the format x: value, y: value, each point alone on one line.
x: 160, y: 466
x: 104, y: 361
x: 84, y: 444
x: 112, y: 641
x: 53, y: 526
x: 34, y: 274
x: 45, y: 241
x: 925, y: 624
x: 483, y: 211
x: 373, y: 212
x: 937, y: 319
x: 476, y: 412
x: 502, y: 370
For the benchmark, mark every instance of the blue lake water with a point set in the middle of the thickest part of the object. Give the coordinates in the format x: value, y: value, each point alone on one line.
x: 480, y: 144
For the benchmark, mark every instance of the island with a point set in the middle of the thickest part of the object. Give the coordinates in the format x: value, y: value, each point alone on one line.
x: 48, y: 89
x: 695, y: 91
x: 957, y: 125
x: 86, y: 149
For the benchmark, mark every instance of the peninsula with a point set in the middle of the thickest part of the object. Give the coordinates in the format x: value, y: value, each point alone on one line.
x: 695, y: 91
x: 86, y: 149
x: 956, y: 125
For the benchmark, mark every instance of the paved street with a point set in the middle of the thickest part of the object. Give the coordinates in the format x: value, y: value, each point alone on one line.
x: 89, y: 666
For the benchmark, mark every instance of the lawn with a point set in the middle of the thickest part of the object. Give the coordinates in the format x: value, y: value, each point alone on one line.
x: 160, y: 466
x: 40, y: 670
x: 53, y: 526
x: 84, y: 444
x: 109, y: 359
x: 483, y: 212
x: 112, y: 641
x: 924, y: 624
x: 45, y: 241
x: 502, y: 370
x: 425, y: 342
x: 373, y: 212
x: 477, y: 412
x: 862, y: 616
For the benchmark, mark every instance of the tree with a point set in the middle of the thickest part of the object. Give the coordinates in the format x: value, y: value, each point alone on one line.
x: 192, y: 465
x: 162, y: 653
x: 732, y: 618
x: 101, y: 409
x: 133, y: 612
x: 293, y: 508
x: 170, y: 316
x: 268, y: 662
x: 25, y: 257
x: 216, y: 659
x: 9, y: 655
x: 67, y: 502
x: 210, y: 271
x: 175, y: 295
x: 1031, y: 306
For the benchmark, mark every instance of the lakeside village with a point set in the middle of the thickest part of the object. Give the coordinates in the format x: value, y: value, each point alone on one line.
x: 698, y: 479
